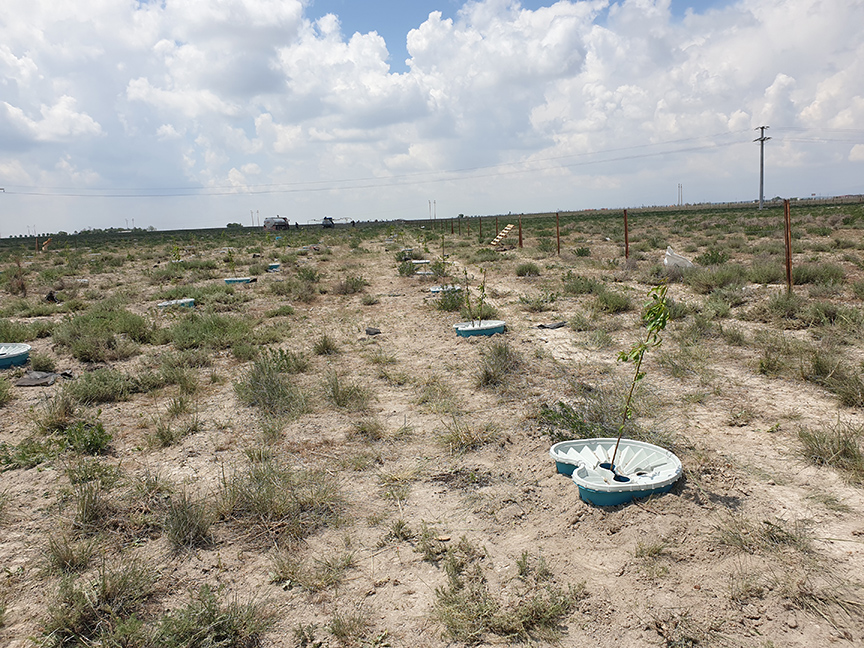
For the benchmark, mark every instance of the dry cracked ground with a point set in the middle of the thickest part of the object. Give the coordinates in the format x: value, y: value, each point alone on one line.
x: 261, y: 470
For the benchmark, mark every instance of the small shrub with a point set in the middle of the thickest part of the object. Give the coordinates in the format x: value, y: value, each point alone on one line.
x: 406, y: 269
x: 102, y: 386
x: 538, y: 304
x: 281, y: 311
x: 709, y: 279
x: 65, y: 556
x: 104, y: 332
x: 712, y: 257
x: 92, y: 469
x: 265, y: 386
x: 766, y: 272
x: 817, y: 273
x: 209, y: 331
x: 582, y: 252
x: 577, y: 285
x: 527, y: 270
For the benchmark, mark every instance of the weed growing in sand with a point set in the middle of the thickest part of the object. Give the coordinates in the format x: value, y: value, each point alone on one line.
x: 460, y: 437
x: 764, y: 536
x: 527, y: 269
x: 396, y: 484
x: 97, y: 612
x: 498, y: 361
x: 349, y: 625
x: 103, y: 386
x: 468, y: 610
x: 104, y: 332
x: 349, y: 396
x: 325, y: 345
x: 56, y: 413
x: 66, y: 556
x: 350, y: 285
x: 837, y: 445
x: 207, y: 620
x: 280, y: 500
x: 42, y: 362
x: 437, y: 395
x: 187, y: 522
x: 324, y: 573
x: 265, y: 386
x: 6, y: 394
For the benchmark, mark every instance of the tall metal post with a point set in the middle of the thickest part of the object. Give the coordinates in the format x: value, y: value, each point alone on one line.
x: 761, y: 139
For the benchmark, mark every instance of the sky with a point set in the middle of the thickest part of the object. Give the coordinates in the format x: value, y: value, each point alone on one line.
x: 197, y: 113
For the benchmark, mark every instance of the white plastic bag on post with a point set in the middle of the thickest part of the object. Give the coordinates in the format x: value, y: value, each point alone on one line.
x: 672, y: 260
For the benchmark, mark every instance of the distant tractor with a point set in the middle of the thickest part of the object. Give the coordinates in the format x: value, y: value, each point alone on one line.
x: 328, y: 222
x: 274, y: 223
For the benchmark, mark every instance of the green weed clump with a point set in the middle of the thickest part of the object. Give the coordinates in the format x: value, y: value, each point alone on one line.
x: 460, y: 437
x: 469, y: 611
x: 707, y: 280
x: 187, y: 522
x: 101, y: 611
x: 6, y: 394
x: 282, y: 501
x: 325, y: 345
x: 527, y: 269
x: 88, y: 438
x: 574, y: 284
x: 349, y: 396
x: 265, y: 386
x: 208, y: 621
x: 350, y: 285
x: 611, y: 301
x: 103, y: 386
x: 817, y: 273
x: 209, y: 331
x: 104, y: 332
x: 538, y: 304
x: 837, y: 445
x: 497, y: 362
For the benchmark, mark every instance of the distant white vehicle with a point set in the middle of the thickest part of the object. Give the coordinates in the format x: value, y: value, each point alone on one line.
x: 274, y: 223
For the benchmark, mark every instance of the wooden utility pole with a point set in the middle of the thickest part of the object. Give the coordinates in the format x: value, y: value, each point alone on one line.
x: 558, y: 231
x: 520, y: 232
x: 787, y: 222
x: 761, y: 139
x: 626, y: 238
